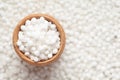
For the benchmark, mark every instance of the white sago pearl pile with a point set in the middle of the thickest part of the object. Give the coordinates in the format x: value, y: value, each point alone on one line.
x: 38, y: 39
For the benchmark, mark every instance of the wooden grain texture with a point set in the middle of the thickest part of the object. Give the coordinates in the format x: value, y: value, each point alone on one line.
x: 59, y: 28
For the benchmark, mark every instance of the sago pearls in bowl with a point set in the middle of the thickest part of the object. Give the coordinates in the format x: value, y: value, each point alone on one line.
x: 39, y: 39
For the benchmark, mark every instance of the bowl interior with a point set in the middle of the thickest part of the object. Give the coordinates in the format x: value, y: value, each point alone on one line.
x: 59, y: 28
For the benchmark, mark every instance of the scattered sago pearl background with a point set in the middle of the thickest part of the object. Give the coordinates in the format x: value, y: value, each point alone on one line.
x: 92, y: 49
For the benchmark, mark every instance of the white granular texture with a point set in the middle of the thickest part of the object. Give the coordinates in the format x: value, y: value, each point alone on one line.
x: 92, y: 50
x: 38, y: 39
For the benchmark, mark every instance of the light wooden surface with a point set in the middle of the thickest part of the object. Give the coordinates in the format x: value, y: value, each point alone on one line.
x: 59, y: 28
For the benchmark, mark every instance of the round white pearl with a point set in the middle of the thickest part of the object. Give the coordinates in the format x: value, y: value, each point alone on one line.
x: 36, y: 59
x: 57, y: 45
x: 31, y: 57
x: 33, y: 21
x: 53, y: 26
x: 55, y: 51
x: 57, y: 33
x: 50, y: 55
x: 33, y: 48
x: 23, y: 28
x: 19, y: 43
x: 41, y: 19
x: 37, y: 53
x: 30, y: 43
x: 47, y: 52
x: 42, y: 56
x: 21, y: 47
x: 44, y: 46
x: 20, y: 34
x: 27, y: 53
x: 27, y: 22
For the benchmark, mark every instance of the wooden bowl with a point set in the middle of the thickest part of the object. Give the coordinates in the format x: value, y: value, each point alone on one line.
x: 59, y: 28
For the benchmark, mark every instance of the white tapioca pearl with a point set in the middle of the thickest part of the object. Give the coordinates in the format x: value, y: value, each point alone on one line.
x: 31, y: 57
x: 27, y: 22
x: 20, y: 34
x: 33, y: 48
x: 19, y: 43
x: 27, y: 53
x: 47, y: 52
x: 33, y: 20
x: 50, y: 55
x: 21, y: 47
x: 36, y: 59
x: 53, y: 27
x: 55, y: 51
x: 41, y: 19
x: 23, y: 27
x: 42, y: 56
x: 37, y: 53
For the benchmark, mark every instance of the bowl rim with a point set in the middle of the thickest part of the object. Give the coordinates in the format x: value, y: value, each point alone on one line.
x: 59, y: 28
